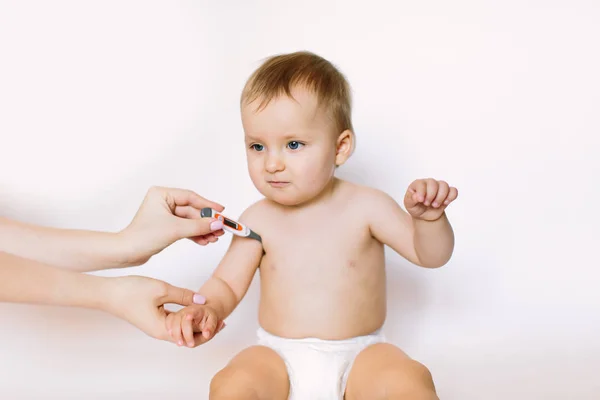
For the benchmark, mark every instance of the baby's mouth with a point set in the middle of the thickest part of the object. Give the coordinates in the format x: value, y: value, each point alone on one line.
x: 278, y: 184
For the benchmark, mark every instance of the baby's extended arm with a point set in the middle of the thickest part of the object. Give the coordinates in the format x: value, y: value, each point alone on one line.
x: 232, y: 277
x: 424, y: 235
x: 196, y: 324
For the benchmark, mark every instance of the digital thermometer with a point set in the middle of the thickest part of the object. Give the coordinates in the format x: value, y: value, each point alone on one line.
x: 230, y: 225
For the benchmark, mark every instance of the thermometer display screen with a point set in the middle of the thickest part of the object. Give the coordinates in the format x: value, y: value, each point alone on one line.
x: 230, y: 223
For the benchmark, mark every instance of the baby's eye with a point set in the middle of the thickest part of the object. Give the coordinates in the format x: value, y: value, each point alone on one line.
x: 257, y: 147
x: 294, y: 145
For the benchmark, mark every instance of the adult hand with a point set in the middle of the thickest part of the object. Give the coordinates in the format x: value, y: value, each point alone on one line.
x: 140, y: 301
x: 165, y: 216
x: 136, y: 299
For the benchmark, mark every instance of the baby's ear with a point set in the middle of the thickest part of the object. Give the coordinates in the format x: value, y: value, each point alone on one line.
x: 344, y: 147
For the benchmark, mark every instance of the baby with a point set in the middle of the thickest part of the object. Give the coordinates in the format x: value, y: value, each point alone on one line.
x: 321, y: 260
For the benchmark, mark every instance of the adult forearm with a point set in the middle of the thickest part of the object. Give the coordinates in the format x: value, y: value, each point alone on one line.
x: 219, y: 296
x: 27, y: 281
x: 434, y: 241
x: 78, y: 250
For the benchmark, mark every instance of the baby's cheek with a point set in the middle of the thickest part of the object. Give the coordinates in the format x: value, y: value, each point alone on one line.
x: 315, y: 180
x: 255, y: 173
x: 319, y: 171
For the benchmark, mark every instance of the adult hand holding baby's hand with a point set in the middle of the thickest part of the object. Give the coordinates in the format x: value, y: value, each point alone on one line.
x: 194, y: 325
x: 140, y: 301
x: 427, y: 199
x: 165, y: 216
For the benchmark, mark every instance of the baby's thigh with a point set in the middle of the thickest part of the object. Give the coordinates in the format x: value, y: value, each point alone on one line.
x: 257, y: 372
x: 383, y: 371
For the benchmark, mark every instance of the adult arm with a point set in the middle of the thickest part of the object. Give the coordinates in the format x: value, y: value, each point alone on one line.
x: 165, y: 216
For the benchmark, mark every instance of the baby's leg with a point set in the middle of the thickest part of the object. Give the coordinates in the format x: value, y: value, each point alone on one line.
x: 255, y: 373
x: 383, y: 371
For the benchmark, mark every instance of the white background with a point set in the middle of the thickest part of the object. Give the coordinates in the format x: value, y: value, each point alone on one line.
x: 100, y: 100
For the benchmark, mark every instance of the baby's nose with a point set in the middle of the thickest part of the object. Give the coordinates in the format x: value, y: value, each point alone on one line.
x: 274, y: 163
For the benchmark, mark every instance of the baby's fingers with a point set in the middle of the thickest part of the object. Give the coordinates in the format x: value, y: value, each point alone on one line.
x: 415, y: 193
x: 187, y: 329
x: 201, y: 339
x: 208, y: 327
x: 432, y: 190
x: 220, y: 326
x: 452, y: 195
x: 442, y: 193
x: 174, y: 327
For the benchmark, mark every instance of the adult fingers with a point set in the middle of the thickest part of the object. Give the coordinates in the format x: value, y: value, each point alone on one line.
x: 183, y: 297
x: 198, y: 227
x: 184, y: 197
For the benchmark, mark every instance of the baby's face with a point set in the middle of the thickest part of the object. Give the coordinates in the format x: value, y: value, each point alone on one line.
x: 290, y: 146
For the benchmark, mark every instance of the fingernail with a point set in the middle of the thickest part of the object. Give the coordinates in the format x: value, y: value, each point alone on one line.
x: 216, y: 225
x: 170, y: 332
x: 436, y: 204
x: 179, y: 343
x: 206, y: 334
x: 199, y: 299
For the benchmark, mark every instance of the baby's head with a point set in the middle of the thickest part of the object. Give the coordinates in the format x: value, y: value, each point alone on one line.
x: 296, y: 114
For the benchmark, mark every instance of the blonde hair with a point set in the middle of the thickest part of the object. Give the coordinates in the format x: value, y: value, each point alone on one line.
x: 281, y: 73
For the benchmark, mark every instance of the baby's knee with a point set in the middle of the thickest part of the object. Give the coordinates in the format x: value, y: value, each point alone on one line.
x: 233, y: 383
x: 411, y: 380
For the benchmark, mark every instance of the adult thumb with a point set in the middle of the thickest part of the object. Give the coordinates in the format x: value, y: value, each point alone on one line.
x: 183, y: 297
x: 201, y: 226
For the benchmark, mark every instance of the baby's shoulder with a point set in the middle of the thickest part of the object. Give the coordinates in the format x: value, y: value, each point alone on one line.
x: 257, y: 214
x: 365, y: 197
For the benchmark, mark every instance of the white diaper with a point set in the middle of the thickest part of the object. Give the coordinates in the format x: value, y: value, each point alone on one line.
x: 318, y: 369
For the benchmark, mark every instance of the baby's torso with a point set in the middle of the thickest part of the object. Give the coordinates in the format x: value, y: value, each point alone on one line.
x: 322, y: 274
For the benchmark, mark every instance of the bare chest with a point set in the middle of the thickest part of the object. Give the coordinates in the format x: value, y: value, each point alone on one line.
x: 301, y: 250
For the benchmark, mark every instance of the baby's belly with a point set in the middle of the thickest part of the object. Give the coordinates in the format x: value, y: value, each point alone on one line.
x: 336, y: 309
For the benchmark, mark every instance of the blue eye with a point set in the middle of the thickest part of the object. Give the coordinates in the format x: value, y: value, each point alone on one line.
x: 294, y: 145
x: 257, y: 147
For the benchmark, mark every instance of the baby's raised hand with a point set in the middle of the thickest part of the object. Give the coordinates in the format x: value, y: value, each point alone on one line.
x: 427, y: 199
x: 193, y: 325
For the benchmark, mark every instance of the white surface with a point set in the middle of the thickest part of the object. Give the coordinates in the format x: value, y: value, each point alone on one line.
x: 98, y: 101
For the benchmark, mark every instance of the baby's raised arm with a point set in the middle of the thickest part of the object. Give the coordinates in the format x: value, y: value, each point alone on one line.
x: 232, y: 277
x: 423, y: 235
